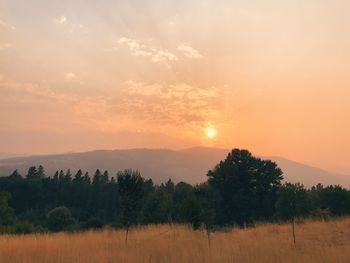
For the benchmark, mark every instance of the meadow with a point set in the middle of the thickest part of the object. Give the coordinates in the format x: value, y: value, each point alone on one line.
x: 316, y: 241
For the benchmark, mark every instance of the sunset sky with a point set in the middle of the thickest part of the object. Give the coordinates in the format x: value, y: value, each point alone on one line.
x: 270, y: 76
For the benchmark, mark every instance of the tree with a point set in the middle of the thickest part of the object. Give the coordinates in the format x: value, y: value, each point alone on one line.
x: 336, y: 199
x: 292, y: 202
x: 130, y: 187
x: 68, y: 177
x: 32, y: 189
x: 206, y: 197
x: 32, y: 173
x: 78, y: 193
x: 98, y: 201
x: 41, y: 172
x: 15, y: 175
x: 190, y: 211
x: 59, y: 218
x: 246, y: 188
x: 6, y: 213
x: 182, y: 192
x: 157, y: 207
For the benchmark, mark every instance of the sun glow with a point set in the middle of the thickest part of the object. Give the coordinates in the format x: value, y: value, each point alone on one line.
x: 210, y: 132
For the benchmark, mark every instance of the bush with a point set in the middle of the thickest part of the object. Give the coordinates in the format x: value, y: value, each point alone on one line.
x: 60, y: 218
x: 22, y: 227
x: 94, y: 223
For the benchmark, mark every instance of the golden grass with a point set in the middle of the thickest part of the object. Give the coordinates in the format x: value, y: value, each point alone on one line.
x: 316, y: 242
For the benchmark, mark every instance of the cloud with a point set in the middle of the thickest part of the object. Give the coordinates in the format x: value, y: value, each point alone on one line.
x: 69, y: 76
x: 137, y: 88
x: 173, y: 109
x: 24, y: 91
x: 176, y: 91
x: 156, y: 54
x: 60, y: 20
x: 169, y: 106
x: 189, y: 52
x: 6, y: 25
x: 69, y: 27
x: 5, y: 46
x: 72, y: 78
x: 72, y: 111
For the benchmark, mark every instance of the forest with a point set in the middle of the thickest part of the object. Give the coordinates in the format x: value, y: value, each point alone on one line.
x: 240, y: 191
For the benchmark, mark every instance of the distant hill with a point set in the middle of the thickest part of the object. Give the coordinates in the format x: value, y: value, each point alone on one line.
x: 9, y: 155
x: 189, y: 165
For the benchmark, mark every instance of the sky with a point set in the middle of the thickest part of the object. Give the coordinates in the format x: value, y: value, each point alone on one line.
x: 266, y: 75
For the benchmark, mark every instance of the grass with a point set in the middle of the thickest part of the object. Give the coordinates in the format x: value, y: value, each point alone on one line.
x: 316, y: 242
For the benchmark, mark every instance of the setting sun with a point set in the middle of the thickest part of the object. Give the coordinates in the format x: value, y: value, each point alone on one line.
x: 164, y: 127
x: 210, y: 132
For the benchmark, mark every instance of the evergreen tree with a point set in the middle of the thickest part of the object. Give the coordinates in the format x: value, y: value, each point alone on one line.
x: 15, y: 175
x: 32, y: 173
x: 130, y: 187
x: 41, y: 172
x: 7, y: 216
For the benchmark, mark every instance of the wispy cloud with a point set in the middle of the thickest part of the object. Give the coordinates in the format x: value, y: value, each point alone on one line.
x: 156, y: 54
x: 69, y: 27
x: 172, y: 105
x: 60, y: 20
x: 172, y: 109
x: 7, y: 25
x: 189, y: 51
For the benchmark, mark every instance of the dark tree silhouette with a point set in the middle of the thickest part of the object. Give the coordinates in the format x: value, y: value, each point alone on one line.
x: 32, y: 173
x: 246, y: 188
x: 6, y: 213
x: 292, y: 202
x: 130, y: 187
x: 59, y: 218
x: 242, y: 190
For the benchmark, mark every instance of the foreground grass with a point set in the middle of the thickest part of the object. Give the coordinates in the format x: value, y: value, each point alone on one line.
x: 316, y: 242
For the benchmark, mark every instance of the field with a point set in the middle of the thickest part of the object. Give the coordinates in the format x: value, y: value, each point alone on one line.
x: 316, y: 242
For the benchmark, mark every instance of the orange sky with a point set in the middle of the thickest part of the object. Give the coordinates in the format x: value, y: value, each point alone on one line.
x: 271, y: 76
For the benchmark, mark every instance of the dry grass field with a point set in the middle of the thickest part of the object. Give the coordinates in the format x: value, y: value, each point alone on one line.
x: 316, y: 242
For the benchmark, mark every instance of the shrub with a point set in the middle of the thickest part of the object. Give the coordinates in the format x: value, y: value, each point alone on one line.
x: 59, y: 218
x: 94, y: 223
x: 23, y: 227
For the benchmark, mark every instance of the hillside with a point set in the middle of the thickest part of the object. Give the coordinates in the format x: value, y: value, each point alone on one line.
x: 189, y: 165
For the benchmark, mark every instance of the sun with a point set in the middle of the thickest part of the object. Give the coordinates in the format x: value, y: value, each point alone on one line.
x: 210, y: 132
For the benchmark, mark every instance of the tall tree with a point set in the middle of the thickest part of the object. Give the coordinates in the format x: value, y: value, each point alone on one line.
x: 41, y: 172
x: 6, y: 213
x: 32, y: 173
x: 130, y: 187
x: 15, y: 175
x: 244, y: 183
x: 292, y: 202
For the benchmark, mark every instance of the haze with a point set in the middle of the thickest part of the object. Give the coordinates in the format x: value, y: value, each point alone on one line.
x: 269, y: 76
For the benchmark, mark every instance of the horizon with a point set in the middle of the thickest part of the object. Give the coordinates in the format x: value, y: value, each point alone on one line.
x: 4, y: 156
x: 268, y: 76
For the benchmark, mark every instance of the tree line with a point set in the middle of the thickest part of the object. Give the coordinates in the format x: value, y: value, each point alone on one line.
x: 240, y: 191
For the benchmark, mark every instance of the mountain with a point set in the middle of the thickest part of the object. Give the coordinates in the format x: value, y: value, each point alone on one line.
x: 309, y: 175
x: 9, y: 155
x: 189, y: 165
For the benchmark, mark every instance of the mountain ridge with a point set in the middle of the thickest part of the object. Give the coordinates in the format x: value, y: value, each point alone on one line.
x: 190, y: 165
